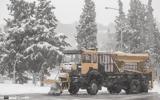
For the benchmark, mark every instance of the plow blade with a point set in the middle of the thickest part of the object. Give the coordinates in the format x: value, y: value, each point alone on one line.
x: 55, y: 89
x: 58, y: 86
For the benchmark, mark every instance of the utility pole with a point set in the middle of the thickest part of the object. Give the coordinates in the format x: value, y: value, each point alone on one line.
x: 111, y: 8
x: 121, y: 41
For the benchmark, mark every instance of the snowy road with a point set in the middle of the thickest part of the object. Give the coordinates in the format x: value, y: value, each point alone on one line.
x: 84, y: 96
x: 105, y: 96
x: 30, y: 92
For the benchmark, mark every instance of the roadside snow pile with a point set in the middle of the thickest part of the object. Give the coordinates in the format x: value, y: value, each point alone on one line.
x: 156, y: 87
x: 9, y: 89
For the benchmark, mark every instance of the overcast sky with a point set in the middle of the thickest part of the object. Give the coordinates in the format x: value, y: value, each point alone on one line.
x: 68, y: 11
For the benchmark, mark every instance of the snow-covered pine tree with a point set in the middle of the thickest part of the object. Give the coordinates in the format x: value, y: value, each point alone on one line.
x: 153, y: 44
x: 20, y: 12
x: 32, y: 36
x: 136, y: 18
x: 123, y: 30
x: 46, y: 45
x: 150, y: 26
x: 87, y: 28
x: 153, y: 33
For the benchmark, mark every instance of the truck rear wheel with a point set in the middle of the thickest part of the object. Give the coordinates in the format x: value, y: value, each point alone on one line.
x: 73, y: 89
x: 114, y: 89
x: 93, y: 88
x: 145, y: 86
x: 134, y: 87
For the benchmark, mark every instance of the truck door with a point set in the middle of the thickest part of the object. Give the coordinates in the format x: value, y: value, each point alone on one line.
x: 89, y: 60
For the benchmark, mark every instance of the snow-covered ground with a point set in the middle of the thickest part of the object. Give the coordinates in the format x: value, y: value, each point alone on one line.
x: 9, y: 89
x: 156, y: 87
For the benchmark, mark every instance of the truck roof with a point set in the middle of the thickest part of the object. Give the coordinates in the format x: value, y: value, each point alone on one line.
x: 72, y: 51
x: 128, y: 57
x: 79, y: 51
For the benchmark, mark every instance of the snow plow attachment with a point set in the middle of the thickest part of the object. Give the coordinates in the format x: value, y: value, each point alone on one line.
x: 57, y: 87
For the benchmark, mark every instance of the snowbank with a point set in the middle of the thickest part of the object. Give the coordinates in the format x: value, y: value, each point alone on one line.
x: 156, y: 87
x: 14, y: 89
x: 9, y: 89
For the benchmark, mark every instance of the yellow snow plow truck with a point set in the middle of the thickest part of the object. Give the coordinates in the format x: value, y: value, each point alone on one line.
x: 92, y: 70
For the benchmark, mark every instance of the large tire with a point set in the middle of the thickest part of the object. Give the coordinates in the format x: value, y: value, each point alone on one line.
x: 93, y: 88
x: 114, y: 89
x: 145, y: 86
x: 134, y: 87
x: 73, y: 89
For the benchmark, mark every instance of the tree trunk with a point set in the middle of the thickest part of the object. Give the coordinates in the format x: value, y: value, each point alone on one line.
x: 34, y: 78
x: 41, y: 80
x: 42, y: 77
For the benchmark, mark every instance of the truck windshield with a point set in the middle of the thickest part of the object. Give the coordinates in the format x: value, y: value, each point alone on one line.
x: 71, y: 58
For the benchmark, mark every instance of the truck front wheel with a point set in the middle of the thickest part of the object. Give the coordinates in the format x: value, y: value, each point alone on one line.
x: 134, y: 87
x: 114, y: 89
x: 73, y: 89
x: 93, y: 88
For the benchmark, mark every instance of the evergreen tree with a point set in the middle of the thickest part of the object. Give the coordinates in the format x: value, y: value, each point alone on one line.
x: 123, y: 30
x: 46, y: 45
x: 32, y: 39
x: 153, y: 44
x: 152, y: 30
x: 150, y: 25
x: 87, y: 28
x: 136, y: 18
x: 120, y: 25
x: 20, y: 12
